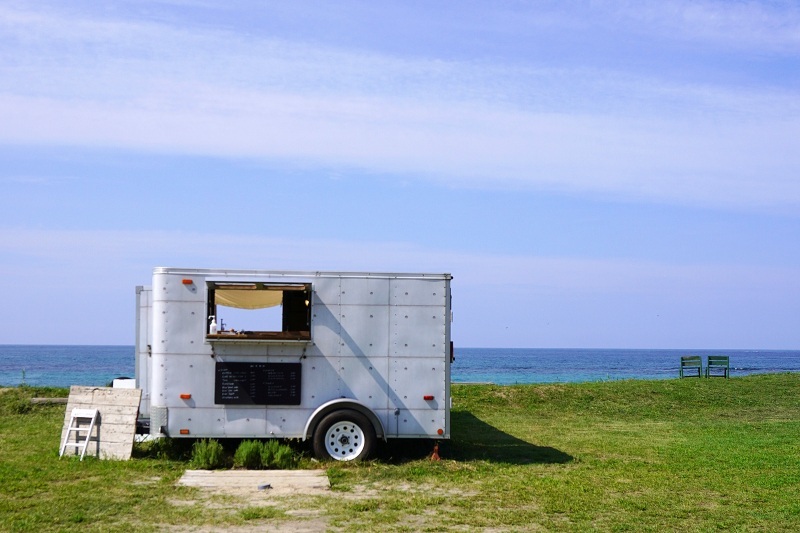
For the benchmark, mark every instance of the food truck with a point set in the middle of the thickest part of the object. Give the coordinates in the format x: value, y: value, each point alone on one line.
x: 343, y: 359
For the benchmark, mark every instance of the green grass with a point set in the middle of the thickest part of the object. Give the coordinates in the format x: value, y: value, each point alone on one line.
x: 628, y: 455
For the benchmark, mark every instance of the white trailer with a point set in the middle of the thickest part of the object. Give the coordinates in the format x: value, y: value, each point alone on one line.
x: 340, y: 358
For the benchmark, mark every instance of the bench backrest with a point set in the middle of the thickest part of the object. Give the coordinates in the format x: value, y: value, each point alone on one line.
x: 719, y: 360
x: 691, y: 360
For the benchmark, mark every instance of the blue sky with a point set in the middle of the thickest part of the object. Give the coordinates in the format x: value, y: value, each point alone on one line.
x: 593, y: 174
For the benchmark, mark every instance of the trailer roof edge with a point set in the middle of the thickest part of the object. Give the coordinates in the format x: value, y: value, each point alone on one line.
x: 295, y: 273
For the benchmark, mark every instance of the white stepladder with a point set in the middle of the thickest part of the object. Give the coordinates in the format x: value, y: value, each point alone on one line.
x: 77, y: 416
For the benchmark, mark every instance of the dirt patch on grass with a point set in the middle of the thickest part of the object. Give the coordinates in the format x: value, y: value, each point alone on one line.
x: 258, y: 484
x: 299, y: 497
x: 287, y: 526
x: 293, y: 494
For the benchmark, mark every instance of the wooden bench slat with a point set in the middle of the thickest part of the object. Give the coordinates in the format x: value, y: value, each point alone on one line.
x: 720, y: 362
x: 692, y: 362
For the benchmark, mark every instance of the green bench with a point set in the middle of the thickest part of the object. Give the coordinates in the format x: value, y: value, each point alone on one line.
x: 718, y: 363
x: 691, y: 363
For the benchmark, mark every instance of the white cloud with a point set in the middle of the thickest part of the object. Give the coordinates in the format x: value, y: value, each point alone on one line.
x: 729, y: 162
x: 147, y: 86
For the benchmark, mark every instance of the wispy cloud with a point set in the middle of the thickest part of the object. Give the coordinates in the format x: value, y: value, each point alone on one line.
x: 745, y: 25
x: 71, y: 79
x: 729, y: 162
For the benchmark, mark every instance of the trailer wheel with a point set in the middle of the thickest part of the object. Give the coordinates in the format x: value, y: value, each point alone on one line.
x: 344, y: 435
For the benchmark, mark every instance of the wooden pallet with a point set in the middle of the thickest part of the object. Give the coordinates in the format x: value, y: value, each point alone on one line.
x: 113, y: 433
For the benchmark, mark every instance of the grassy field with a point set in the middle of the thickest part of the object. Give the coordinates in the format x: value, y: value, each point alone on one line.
x: 628, y: 455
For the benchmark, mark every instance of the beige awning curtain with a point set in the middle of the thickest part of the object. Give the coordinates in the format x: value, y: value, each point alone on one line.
x: 248, y: 299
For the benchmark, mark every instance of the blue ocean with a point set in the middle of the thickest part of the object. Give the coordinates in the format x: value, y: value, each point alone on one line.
x: 62, y: 366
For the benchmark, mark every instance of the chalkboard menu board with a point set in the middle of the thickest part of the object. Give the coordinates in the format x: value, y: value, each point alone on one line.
x: 257, y: 383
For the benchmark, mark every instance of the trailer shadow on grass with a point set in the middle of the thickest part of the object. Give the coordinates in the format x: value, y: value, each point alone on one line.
x: 472, y: 439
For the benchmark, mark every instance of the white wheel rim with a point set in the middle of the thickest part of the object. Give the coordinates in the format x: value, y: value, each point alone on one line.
x: 344, y: 441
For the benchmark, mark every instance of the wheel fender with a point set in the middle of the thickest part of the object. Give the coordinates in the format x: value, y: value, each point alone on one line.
x: 342, y: 403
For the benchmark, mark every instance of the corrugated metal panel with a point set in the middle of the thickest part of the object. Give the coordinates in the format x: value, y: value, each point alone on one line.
x: 418, y: 331
x: 326, y: 292
x: 412, y: 379
x: 188, y: 374
x: 366, y: 291
x: 418, y: 292
x: 326, y: 327
x: 364, y: 330
x: 421, y: 423
x: 365, y: 379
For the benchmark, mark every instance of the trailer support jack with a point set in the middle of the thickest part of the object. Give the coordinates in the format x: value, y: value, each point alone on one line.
x: 435, y: 455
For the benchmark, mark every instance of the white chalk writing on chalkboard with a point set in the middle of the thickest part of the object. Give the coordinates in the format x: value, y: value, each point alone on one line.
x: 257, y: 383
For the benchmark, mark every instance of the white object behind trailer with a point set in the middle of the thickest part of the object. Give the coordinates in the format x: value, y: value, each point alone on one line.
x: 351, y: 357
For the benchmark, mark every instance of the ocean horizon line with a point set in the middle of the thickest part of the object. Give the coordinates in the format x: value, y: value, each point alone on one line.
x: 97, y: 365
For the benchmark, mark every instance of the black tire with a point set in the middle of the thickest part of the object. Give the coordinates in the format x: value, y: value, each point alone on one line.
x: 344, y: 435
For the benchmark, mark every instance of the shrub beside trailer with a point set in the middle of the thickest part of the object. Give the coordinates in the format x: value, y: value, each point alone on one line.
x: 342, y: 359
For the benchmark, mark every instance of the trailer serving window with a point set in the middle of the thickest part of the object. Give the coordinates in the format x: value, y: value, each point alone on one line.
x: 270, y: 311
